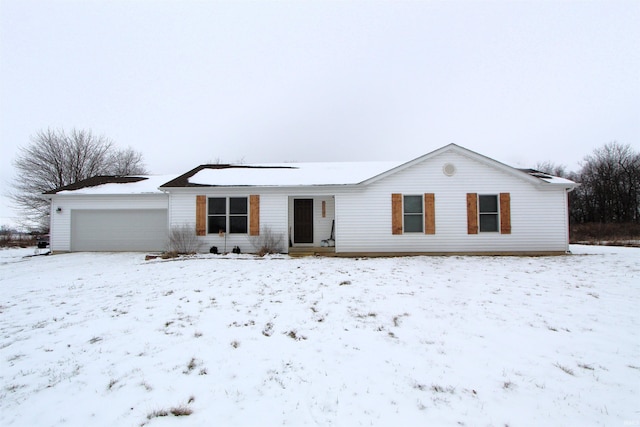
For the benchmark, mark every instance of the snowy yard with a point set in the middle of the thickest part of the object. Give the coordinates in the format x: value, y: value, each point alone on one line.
x: 114, y: 340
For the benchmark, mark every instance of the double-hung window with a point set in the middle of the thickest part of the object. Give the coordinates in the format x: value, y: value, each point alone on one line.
x: 238, y: 215
x: 227, y: 214
x: 413, y: 214
x: 488, y: 213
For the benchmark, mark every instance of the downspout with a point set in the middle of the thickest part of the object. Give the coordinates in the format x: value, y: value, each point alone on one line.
x: 169, y: 213
x: 566, y: 206
x: 51, y: 224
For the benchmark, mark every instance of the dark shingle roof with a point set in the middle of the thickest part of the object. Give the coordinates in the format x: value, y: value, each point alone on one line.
x: 98, y: 180
x: 536, y: 173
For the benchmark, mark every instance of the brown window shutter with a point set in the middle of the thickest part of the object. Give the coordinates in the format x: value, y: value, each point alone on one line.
x: 429, y: 213
x: 201, y: 215
x: 254, y: 215
x: 505, y: 213
x: 472, y: 213
x: 396, y: 213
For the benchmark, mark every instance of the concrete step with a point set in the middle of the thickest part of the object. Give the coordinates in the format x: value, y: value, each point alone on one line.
x: 312, y: 251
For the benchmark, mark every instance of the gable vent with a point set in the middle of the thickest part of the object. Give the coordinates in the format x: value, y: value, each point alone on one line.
x: 449, y: 169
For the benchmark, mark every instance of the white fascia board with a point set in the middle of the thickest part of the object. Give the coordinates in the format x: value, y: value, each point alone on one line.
x: 474, y: 156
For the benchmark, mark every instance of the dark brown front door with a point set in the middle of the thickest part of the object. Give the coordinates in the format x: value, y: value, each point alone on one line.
x: 303, y: 221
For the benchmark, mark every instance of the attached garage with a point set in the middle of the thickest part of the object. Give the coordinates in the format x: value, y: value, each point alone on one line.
x: 110, y: 213
x: 119, y: 230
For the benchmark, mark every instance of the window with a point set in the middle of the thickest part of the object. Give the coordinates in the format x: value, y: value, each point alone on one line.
x: 217, y: 219
x: 237, y: 215
x: 413, y: 214
x: 488, y: 213
x: 223, y: 211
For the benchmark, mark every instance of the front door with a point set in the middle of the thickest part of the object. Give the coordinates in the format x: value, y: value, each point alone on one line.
x: 303, y: 221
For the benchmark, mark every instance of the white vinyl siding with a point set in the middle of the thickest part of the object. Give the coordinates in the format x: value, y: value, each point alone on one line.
x: 273, y: 214
x: 363, y: 213
x: 538, y: 215
x: 276, y: 212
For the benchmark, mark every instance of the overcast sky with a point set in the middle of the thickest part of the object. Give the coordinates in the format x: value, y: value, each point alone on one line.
x: 189, y: 82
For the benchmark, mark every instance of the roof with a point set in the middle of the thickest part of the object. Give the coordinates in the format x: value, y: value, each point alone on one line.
x: 547, y: 177
x: 288, y: 175
x: 281, y: 174
x: 110, y: 184
x: 537, y: 178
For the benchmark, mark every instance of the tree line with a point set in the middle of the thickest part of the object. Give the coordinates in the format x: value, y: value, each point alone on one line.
x: 609, y: 178
x: 610, y: 186
x: 609, y: 190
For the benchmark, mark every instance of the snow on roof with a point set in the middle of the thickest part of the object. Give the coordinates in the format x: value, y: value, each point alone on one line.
x: 147, y: 185
x: 558, y: 180
x: 275, y: 174
x: 292, y: 174
x: 548, y: 178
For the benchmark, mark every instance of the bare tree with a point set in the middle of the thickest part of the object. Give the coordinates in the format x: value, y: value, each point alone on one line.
x: 6, y: 235
x: 127, y: 162
x: 552, y: 168
x: 54, y: 159
x: 610, y: 190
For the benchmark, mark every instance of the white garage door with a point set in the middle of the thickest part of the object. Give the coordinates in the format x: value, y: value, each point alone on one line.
x: 118, y: 230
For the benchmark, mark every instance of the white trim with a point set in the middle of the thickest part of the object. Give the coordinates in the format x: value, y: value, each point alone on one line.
x: 497, y: 213
x: 475, y: 156
x: 227, y: 214
x: 422, y: 213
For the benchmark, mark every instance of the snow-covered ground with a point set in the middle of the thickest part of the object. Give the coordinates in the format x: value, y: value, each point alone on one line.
x: 113, y: 340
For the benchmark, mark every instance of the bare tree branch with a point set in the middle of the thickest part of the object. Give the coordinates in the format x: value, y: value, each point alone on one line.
x: 127, y: 162
x: 54, y: 159
x: 610, y: 190
x: 552, y: 168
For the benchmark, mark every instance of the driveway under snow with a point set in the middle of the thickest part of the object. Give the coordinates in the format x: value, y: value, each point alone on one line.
x: 113, y: 340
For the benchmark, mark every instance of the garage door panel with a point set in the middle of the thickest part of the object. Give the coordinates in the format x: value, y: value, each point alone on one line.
x: 119, y: 230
